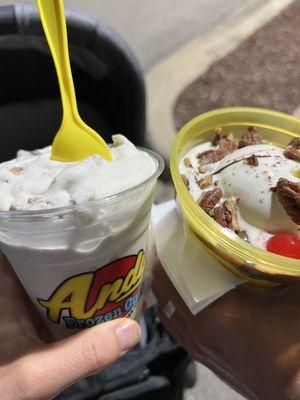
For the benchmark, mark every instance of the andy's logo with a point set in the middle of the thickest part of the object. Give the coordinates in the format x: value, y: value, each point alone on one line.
x: 94, y: 297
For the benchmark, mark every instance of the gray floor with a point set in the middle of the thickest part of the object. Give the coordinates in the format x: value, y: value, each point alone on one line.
x: 156, y: 28
x: 209, y: 387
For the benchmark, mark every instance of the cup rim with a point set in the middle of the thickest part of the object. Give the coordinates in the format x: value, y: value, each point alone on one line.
x: 16, y: 214
x: 213, y: 232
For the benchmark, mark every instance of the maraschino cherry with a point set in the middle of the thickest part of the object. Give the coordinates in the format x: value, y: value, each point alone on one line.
x: 284, y: 245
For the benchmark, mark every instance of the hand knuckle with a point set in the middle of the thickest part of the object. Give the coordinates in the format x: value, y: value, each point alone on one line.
x: 98, y: 352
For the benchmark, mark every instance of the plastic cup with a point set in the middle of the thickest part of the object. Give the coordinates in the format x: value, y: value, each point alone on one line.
x: 243, y: 259
x: 83, y: 265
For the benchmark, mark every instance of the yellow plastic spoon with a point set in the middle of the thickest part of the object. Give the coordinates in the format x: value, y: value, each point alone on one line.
x: 296, y: 174
x: 75, y: 140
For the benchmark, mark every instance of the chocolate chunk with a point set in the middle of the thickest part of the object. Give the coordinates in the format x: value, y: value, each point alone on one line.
x: 210, y: 199
x: 252, y: 160
x: 252, y: 136
x: 187, y: 162
x: 185, y: 181
x: 293, y: 150
x: 288, y: 193
x: 205, y: 182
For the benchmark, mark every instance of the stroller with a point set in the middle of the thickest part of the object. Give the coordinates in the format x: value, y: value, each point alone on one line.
x: 111, y: 98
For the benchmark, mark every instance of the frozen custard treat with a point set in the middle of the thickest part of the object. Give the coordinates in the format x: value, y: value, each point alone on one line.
x: 249, y: 187
x: 34, y: 182
x: 77, y: 233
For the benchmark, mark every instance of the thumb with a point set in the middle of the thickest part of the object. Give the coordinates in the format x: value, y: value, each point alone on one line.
x: 52, y: 369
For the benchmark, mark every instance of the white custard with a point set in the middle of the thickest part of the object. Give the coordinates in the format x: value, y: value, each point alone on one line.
x: 34, y: 182
x: 260, y: 212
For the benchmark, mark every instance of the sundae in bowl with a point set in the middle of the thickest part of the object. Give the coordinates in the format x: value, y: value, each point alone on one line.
x: 236, y: 173
x: 249, y: 187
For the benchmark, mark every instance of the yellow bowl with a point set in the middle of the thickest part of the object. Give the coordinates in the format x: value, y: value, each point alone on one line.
x: 241, y: 258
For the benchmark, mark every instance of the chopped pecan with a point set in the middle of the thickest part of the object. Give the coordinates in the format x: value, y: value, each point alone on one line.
x: 223, y: 216
x: 185, y: 181
x: 293, y: 150
x: 252, y: 160
x: 230, y: 205
x: 16, y: 170
x: 227, y: 216
x: 187, y: 162
x: 243, y: 235
x: 210, y: 199
x: 288, y: 193
x: 205, y: 182
x: 227, y: 144
x: 252, y: 136
x: 210, y: 156
x: 202, y: 169
x: 217, y: 136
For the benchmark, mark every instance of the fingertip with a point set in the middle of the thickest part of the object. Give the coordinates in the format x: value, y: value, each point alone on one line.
x: 128, y: 334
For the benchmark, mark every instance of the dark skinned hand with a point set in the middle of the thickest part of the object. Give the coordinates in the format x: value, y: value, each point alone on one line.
x: 250, y: 337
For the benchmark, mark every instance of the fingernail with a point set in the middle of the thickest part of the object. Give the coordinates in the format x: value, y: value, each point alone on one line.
x: 128, y: 335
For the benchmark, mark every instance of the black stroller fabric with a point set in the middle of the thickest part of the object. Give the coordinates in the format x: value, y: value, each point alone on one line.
x: 108, y: 80
x: 158, y: 369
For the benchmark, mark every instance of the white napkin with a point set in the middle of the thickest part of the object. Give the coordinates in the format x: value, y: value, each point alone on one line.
x: 196, y: 275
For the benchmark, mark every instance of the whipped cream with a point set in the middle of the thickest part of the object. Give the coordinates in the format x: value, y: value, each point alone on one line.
x: 260, y: 214
x: 32, y: 181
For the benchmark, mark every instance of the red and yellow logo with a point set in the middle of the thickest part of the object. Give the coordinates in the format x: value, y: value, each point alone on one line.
x: 95, y: 297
